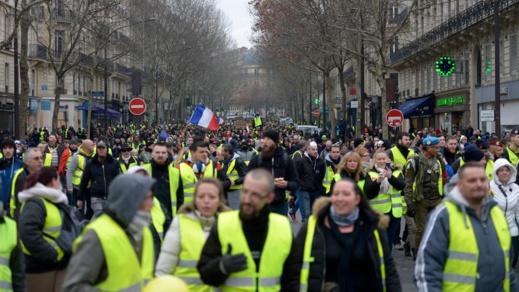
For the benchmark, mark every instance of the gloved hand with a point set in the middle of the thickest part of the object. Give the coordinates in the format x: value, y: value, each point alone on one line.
x: 232, y: 263
x: 411, y: 211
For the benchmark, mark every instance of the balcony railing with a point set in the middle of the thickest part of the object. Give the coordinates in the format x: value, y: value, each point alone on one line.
x: 472, y: 15
x: 62, y: 15
x: 38, y: 51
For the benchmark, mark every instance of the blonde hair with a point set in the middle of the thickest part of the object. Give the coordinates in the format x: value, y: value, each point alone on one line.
x: 378, y: 152
x: 180, y: 157
x: 344, y: 160
x: 222, y: 206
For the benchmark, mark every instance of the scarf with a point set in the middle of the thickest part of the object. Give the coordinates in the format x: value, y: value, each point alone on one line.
x: 344, y: 220
x: 385, y: 187
x: 139, y: 221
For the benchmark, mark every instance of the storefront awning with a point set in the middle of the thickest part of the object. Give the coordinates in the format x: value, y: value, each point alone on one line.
x: 422, y: 107
x: 111, y: 113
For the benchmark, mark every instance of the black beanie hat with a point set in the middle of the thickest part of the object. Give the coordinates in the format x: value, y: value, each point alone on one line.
x: 473, y: 154
x: 357, y: 142
x: 273, y: 135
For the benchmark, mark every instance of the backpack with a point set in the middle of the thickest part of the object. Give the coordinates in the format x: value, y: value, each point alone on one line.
x: 71, y: 228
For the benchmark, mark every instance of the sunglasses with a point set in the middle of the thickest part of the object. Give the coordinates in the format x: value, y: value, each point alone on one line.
x: 125, y: 150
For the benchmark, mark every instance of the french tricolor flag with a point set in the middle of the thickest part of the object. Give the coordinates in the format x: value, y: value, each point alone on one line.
x: 204, y: 117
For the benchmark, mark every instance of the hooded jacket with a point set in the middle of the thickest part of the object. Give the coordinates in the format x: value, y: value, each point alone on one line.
x: 369, y: 222
x: 88, y: 264
x: 509, y: 200
x: 311, y: 172
x: 31, y: 221
x: 8, y: 168
x: 434, y: 249
x: 171, y: 249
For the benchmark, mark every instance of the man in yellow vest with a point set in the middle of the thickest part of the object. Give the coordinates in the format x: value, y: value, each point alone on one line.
x: 258, y: 122
x: 75, y: 169
x: 47, y: 157
x: 115, y: 251
x: 33, y: 162
x: 125, y: 159
x: 236, y: 170
x: 251, y: 249
x: 401, y: 151
x: 511, y: 153
x: 467, y: 243
x: 12, y: 277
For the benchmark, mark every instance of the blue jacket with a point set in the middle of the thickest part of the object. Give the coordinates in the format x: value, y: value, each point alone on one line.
x: 8, y: 167
x: 434, y: 248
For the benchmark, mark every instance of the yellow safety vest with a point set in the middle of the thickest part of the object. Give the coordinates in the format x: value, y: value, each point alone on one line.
x: 78, y: 172
x: 125, y: 271
x: 133, y: 162
x: 2, y: 155
x: 257, y: 122
x: 328, y: 176
x: 461, y: 268
x: 308, y: 259
x: 48, y: 160
x: 398, y: 157
x: 192, y: 242
x: 69, y: 159
x: 173, y: 185
x: 51, y: 228
x: 9, y: 236
x: 489, y: 168
x: 14, y: 196
x: 189, y: 178
x: 233, y: 175
x: 512, y: 156
x: 393, y: 201
x: 337, y: 177
x: 275, y: 251
x: 158, y: 218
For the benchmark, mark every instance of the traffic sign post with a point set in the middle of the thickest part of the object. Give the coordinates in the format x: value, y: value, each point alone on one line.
x: 316, y: 113
x: 394, y: 118
x: 137, y: 106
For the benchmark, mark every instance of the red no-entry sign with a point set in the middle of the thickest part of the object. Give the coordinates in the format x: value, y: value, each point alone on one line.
x: 394, y: 118
x: 137, y: 106
x: 316, y: 113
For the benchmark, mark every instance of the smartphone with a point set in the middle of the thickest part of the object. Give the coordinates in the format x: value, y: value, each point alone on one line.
x: 388, y: 165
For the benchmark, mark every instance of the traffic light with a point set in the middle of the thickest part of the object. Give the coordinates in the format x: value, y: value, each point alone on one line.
x: 445, y: 66
x: 316, y: 101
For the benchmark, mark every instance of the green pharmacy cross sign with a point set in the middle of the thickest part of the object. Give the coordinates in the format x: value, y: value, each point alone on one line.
x: 445, y: 66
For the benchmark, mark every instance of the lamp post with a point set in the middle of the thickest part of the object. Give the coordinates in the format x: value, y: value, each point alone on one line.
x: 16, y: 77
x: 497, y: 89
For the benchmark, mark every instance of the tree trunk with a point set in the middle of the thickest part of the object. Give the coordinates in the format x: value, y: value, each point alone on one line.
x: 57, y: 99
x: 331, y: 105
x: 359, y: 123
x: 25, y: 23
x: 343, y: 93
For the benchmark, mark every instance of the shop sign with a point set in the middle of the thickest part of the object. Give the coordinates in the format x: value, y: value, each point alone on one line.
x: 486, y: 115
x: 450, y: 101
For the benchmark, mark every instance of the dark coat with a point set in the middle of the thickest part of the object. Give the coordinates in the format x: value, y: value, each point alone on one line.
x: 311, y: 173
x: 369, y: 222
x: 372, y: 187
x: 101, y: 176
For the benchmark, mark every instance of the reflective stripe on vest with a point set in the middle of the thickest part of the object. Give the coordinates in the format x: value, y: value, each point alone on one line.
x: 233, y: 175
x: 125, y: 271
x: 398, y: 157
x: 512, y: 157
x: 14, y: 196
x: 461, y: 268
x: 189, y: 178
x: 308, y: 259
x: 275, y: 251
x: 173, y: 185
x: 51, y: 228
x: 158, y: 218
x: 9, y: 236
x: 327, y: 182
x: 388, y: 202
x: 192, y: 242
x: 440, y: 179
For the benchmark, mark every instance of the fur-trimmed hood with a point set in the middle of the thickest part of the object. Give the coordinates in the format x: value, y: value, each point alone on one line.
x: 321, y: 204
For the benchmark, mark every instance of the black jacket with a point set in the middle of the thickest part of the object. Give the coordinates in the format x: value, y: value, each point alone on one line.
x: 368, y: 223
x: 372, y: 187
x: 239, y: 166
x: 311, y: 172
x: 345, y: 174
x: 101, y: 176
x: 255, y: 231
x: 287, y: 171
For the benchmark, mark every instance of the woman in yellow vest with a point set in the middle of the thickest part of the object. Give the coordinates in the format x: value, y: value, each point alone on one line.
x: 40, y: 222
x: 349, y: 167
x: 188, y: 232
x: 383, y: 189
x: 115, y: 251
x: 342, y: 245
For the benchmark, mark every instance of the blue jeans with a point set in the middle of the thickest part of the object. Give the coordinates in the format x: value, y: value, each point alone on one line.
x: 296, y: 203
x: 306, y: 201
x: 280, y: 208
x: 392, y: 229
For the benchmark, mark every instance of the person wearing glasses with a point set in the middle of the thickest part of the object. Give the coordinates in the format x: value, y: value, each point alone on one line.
x: 125, y: 159
x: 33, y: 162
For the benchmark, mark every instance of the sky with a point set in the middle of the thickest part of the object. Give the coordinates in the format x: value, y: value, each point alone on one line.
x: 237, y: 12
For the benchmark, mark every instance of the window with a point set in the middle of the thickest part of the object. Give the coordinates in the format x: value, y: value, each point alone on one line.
x: 459, y: 68
x: 6, y: 77
x: 487, y: 66
x: 59, y: 42
x: 256, y: 71
x: 428, y: 84
x: 513, y: 55
x: 435, y: 79
x: 466, y: 73
x: 33, y: 81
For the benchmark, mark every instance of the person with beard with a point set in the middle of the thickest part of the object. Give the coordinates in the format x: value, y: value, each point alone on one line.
x: 199, y: 165
x: 245, y: 152
x: 277, y: 162
x: 311, y: 170
x: 401, y: 151
x: 252, y: 248
x: 451, y: 150
x: 126, y: 160
x: 168, y: 188
x: 9, y: 165
x: 97, y: 176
